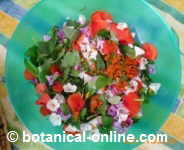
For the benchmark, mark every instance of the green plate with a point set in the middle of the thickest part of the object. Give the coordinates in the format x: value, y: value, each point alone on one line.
x: 143, y: 20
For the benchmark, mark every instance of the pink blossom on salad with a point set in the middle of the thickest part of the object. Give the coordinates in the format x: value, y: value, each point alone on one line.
x: 55, y: 119
x: 69, y: 88
x: 151, y: 69
x: 53, y: 105
x: 46, y: 38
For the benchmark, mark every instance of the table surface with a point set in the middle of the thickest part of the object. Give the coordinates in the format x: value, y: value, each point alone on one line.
x: 11, y: 13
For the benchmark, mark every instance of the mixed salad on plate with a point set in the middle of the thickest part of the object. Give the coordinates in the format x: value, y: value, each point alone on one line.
x: 92, y: 75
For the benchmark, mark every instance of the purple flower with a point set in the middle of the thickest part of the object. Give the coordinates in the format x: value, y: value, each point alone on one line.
x: 85, y: 31
x: 35, y: 81
x: 151, y: 69
x: 77, y: 67
x: 118, y: 127
x: 61, y: 35
x: 46, y: 38
x: 112, y: 111
x: 50, y: 80
x: 63, y: 116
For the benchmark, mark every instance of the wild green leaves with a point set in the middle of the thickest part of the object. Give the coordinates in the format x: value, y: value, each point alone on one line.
x: 102, y: 81
x: 71, y: 59
x: 126, y: 50
x: 100, y: 63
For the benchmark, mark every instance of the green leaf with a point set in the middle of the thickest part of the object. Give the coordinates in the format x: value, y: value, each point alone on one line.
x: 102, y: 109
x: 30, y: 67
x: 43, y: 47
x: 44, y: 70
x: 83, y: 113
x: 71, y: 59
x: 104, y: 130
x: 73, y: 23
x: 66, y: 74
x: 75, y: 73
x: 65, y: 109
x: 71, y: 33
x: 32, y: 52
x: 126, y: 50
x: 102, y: 82
x: 100, y: 63
x: 105, y: 34
x: 107, y: 121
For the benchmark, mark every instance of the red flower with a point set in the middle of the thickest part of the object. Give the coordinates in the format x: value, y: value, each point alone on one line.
x: 57, y: 87
x: 109, y: 47
x: 100, y: 20
x: 150, y: 51
x: 131, y: 104
x: 101, y: 15
x: 75, y: 103
x: 44, y: 98
x: 44, y: 111
x: 41, y: 88
x: 28, y: 75
x: 124, y: 36
x: 54, y: 69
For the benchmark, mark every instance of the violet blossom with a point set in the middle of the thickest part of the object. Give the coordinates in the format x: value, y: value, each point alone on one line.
x: 151, y: 69
x: 61, y: 35
x: 46, y: 38
x: 63, y: 116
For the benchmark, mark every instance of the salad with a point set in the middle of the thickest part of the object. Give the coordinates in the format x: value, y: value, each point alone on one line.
x: 92, y: 75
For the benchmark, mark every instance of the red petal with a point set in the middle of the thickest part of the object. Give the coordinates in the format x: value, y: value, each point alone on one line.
x: 101, y: 15
x: 96, y: 26
x: 124, y: 36
x: 131, y: 104
x: 41, y: 87
x: 75, y: 102
x: 28, y: 75
x: 43, y: 99
x: 109, y: 47
x: 150, y: 51
x: 44, y: 111
x: 57, y: 87
x: 54, y: 69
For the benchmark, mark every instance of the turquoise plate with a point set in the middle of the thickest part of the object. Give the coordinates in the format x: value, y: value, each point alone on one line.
x: 143, y: 20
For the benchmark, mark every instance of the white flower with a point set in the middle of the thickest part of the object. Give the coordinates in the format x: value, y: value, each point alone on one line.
x: 122, y: 117
x: 96, y: 121
x: 133, y: 34
x: 87, y: 78
x: 69, y: 88
x: 60, y: 98
x: 93, y: 55
x: 114, y: 100
x: 86, y: 127
x: 143, y: 63
x: 139, y: 51
x: 122, y: 26
x: 132, y: 87
x: 109, y: 93
x: 71, y: 128
x: 82, y: 19
x: 131, y: 45
x: 154, y: 87
x: 53, y: 105
x: 55, y: 119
